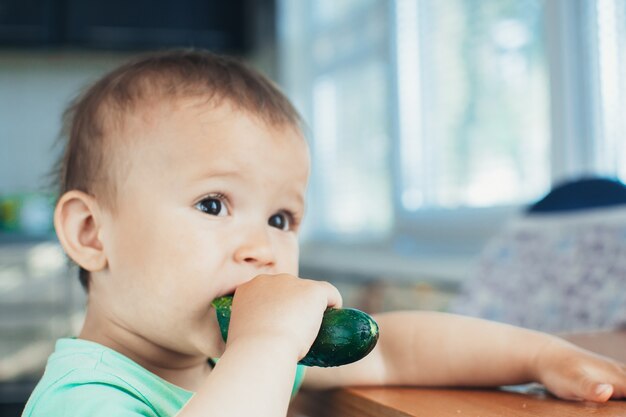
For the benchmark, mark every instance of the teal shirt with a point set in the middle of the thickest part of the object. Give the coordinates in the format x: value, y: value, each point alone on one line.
x: 84, y: 378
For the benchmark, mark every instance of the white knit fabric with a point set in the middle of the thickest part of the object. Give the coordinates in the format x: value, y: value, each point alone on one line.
x: 553, y: 272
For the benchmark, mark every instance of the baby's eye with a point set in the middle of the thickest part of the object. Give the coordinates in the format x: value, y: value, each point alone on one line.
x: 282, y: 221
x: 213, y: 205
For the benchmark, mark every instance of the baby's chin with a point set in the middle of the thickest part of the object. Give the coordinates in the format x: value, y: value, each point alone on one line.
x: 213, y: 349
x: 209, y: 341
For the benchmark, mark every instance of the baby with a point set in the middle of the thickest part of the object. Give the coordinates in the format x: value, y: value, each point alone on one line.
x: 184, y: 179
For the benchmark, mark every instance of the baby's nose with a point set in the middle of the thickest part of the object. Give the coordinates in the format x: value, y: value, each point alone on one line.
x: 256, y: 250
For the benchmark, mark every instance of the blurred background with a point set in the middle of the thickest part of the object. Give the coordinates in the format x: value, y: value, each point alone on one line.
x: 434, y: 125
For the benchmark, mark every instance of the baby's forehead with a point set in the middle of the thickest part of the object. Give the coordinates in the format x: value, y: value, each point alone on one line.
x: 197, y: 111
x: 175, y: 119
x: 183, y: 133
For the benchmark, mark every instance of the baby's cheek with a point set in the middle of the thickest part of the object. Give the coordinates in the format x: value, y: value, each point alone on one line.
x: 288, y: 258
x: 132, y: 248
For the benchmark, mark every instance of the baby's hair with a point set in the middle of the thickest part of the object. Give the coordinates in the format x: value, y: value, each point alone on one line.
x: 93, y: 117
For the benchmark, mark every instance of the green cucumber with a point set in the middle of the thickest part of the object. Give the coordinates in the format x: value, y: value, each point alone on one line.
x: 346, y: 334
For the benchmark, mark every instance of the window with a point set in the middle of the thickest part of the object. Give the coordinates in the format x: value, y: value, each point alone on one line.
x: 339, y: 72
x: 473, y: 103
x: 454, y: 113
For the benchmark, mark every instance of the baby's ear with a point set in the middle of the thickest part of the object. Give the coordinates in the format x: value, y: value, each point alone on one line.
x: 77, y: 220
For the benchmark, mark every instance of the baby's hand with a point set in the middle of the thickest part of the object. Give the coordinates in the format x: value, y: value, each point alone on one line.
x: 283, y: 310
x: 576, y: 374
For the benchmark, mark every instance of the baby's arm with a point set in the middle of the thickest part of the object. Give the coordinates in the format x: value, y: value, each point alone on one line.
x: 251, y: 378
x: 436, y: 349
x: 273, y: 324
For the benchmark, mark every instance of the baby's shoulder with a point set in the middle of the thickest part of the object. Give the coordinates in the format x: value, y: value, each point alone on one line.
x: 83, y: 392
x: 91, y: 380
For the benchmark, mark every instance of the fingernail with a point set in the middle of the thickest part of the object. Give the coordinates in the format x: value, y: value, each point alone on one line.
x: 602, y: 388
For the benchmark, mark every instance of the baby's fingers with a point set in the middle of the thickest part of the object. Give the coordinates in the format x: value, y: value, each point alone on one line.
x: 602, y: 385
x: 334, y: 297
x: 582, y: 388
x: 619, y: 387
x: 599, y: 392
x: 587, y: 377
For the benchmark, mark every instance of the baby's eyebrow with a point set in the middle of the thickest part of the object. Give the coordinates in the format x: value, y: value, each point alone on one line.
x: 217, y: 173
x: 298, y: 198
x: 292, y: 194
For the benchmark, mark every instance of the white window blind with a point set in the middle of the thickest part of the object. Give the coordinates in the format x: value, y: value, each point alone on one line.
x: 609, y: 70
x: 473, y: 89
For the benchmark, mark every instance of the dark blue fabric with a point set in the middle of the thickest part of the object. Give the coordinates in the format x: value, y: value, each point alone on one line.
x: 581, y: 194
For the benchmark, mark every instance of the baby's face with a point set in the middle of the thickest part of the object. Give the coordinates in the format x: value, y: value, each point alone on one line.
x: 211, y: 197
